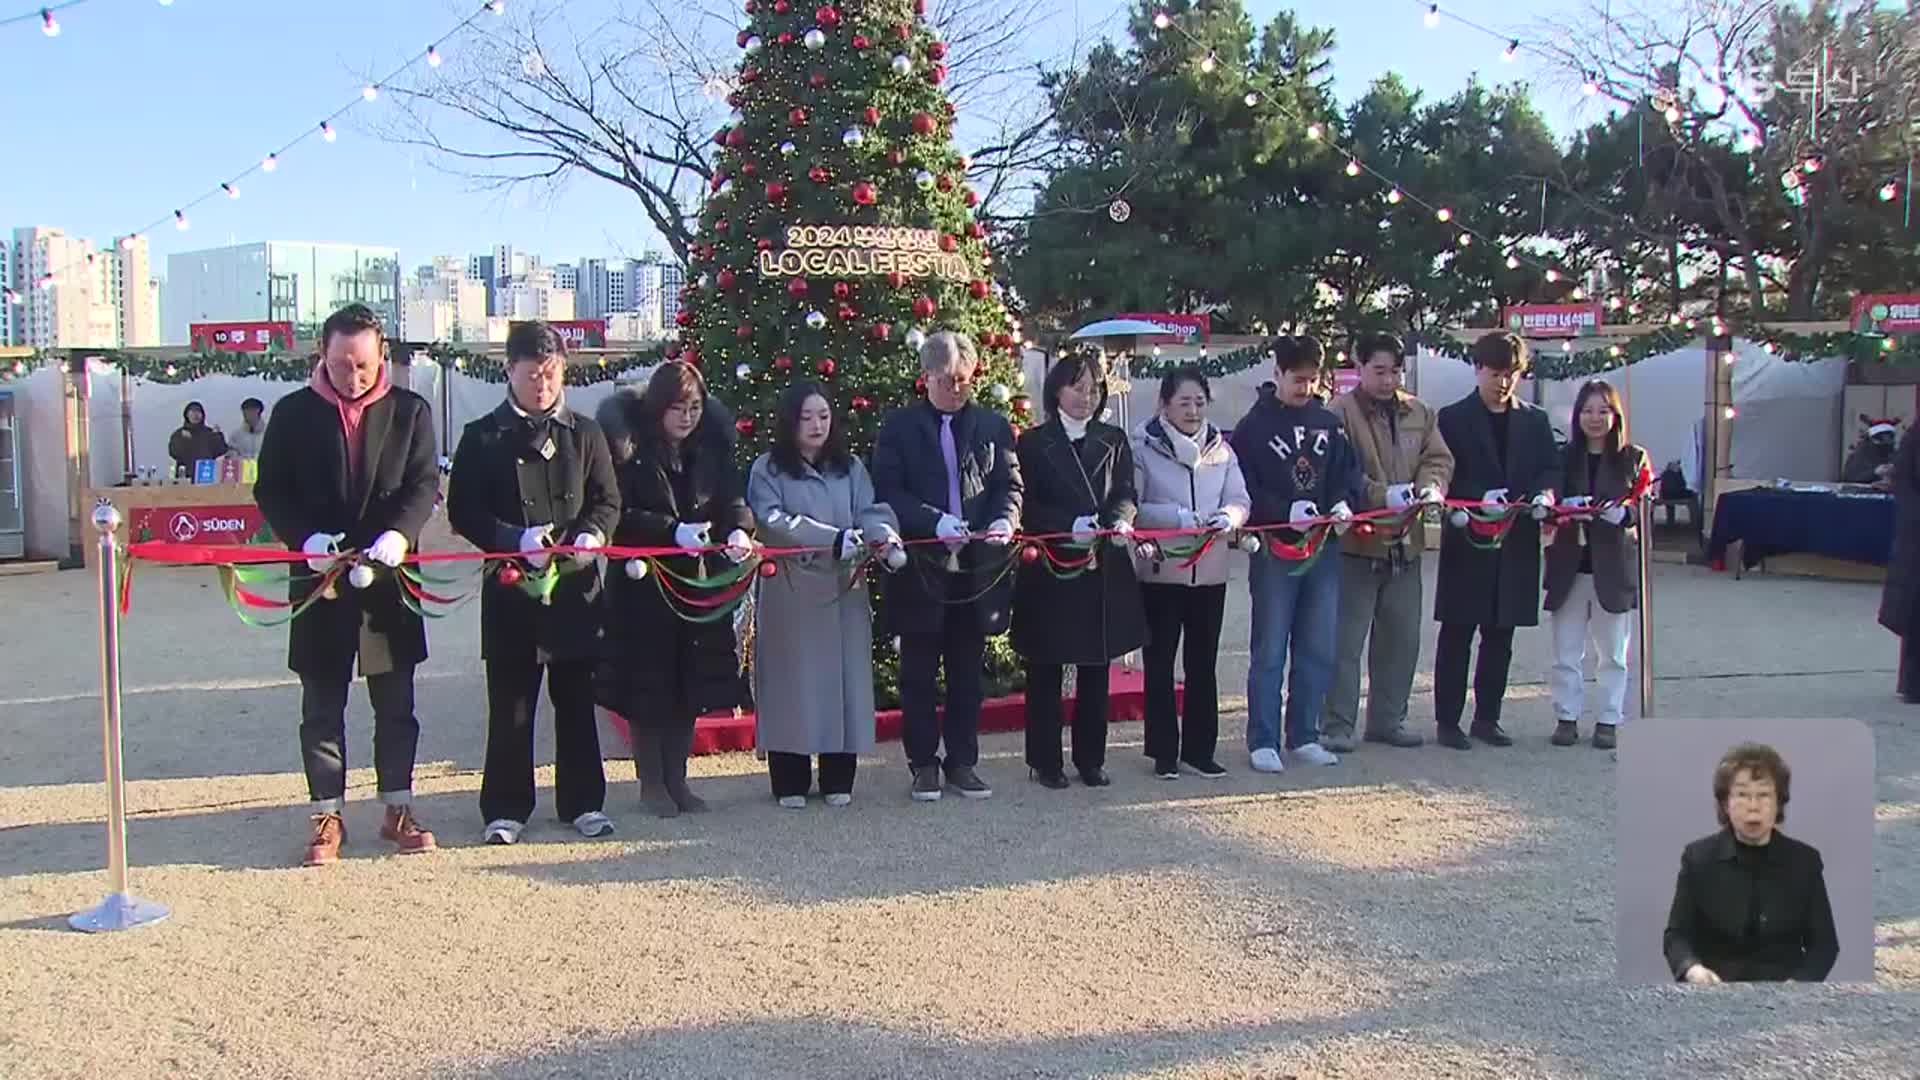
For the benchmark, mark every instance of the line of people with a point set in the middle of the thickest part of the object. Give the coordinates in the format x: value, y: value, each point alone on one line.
x: 348, y: 464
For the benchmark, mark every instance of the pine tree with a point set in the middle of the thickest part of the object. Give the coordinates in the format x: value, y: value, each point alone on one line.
x: 840, y: 228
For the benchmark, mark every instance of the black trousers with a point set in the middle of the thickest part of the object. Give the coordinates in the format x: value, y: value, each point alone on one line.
x: 1046, y: 714
x: 323, y: 731
x: 1450, y: 655
x: 792, y: 774
x: 513, y: 697
x: 961, y: 648
x: 1909, y: 677
x: 1195, y: 611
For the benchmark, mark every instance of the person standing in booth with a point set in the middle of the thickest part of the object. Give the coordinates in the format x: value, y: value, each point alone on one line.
x: 1078, y: 477
x: 1503, y: 453
x: 253, y: 427
x: 948, y: 469
x: 530, y: 475
x: 1593, y: 565
x: 813, y: 640
x: 1900, y: 596
x: 349, y: 465
x: 193, y: 441
x: 677, y: 490
x: 1185, y: 477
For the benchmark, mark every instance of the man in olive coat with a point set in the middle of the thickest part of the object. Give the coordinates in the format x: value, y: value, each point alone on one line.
x: 528, y: 476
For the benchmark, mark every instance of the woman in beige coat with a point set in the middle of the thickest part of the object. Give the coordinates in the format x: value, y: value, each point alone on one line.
x: 1185, y: 477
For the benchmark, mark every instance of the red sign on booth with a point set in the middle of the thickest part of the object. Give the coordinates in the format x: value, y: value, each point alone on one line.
x: 240, y: 336
x: 1553, y: 320
x: 580, y: 333
x: 1886, y: 313
x: 1344, y: 379
x: 196, y: 524
x: 1180, y: 328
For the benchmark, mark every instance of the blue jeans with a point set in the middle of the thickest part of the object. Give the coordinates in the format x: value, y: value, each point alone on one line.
x: 1301, y: 613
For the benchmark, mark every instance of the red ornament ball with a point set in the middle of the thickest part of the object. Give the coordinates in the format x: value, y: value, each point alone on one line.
x: 860, y: 41
x: 817, y: 80
x: 783, y: 362
x: 744, y: 332
x: 861, y: 401
x: 919, y: 7
x: 750, y: 75
x: 776, y: 191
x: 724, y: 279
x: 720, y: 225
x: 798, y: 117
x: 937, y: 50
x: 685, y: 318
x: 903, y: 31
x: 691, y: 357
x: 924, y: 123
x: 797, y: 288
x: 748, y: 168
x: 864, y: 194
x: 882, y: 331
x: 937, y: 74
x: 871, y: 115
x: 744, y: 425
x: 976, y: 230
x: 825, y: 366
x: 763, y: 244
x: 896, y: 157
x: 736, y: 138
x: 819, y: 174
x: 785, y: 37
x: 1022, y: 404
x: 896, y: 279
x: 720, y: 139
x: 509, y: 575
x: 944, y: 182
x: 781, y: 7
x: 740, y: 39
x: 846, y: 313
x: 769, y: 568
x: 925, y: 307
x: 828, y: 16
x: 949, y: 242
x: 842, y: 290
x: 973, y: 197
x: 1029, y: 553
x: 750, y: 6
x: 978, y: 289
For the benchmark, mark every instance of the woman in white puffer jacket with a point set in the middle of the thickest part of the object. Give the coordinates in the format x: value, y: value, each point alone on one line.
x: 1185, y: 477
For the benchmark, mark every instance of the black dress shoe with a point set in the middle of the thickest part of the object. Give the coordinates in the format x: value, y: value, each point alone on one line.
x: 1055, y: 780
x: 1095, y: 777
x: 1492, y: 735
x: 1454, y: 739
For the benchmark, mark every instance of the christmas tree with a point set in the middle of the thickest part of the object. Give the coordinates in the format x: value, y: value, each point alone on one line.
x: 840, y: 229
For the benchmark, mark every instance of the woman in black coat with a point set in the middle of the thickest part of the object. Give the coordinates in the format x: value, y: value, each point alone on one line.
x: 1079, y: 481
x: 677, y: 489
x: 1901, y: 593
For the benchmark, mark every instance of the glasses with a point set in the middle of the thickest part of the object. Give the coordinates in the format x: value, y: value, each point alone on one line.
x: 952, y: 380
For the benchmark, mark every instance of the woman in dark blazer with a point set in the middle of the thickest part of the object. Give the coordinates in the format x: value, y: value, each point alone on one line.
x: 676, y: 490
x: 1750, y: 904
x: 1079, y: 482
x: 1593, y: 565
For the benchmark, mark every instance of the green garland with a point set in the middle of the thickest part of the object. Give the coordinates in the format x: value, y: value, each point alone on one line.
x: 1214, y: 367
x: 280, y: 365
x: 493, y: 369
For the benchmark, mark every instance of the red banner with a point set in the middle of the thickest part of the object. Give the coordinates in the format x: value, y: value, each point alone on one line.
x: 1345, y: 379
x: 1553, y: 320
x: 198, y: 524
x: 1886, y: 313
x: 240, y: 336
x: 580, y: 333
x: 1180, y: 328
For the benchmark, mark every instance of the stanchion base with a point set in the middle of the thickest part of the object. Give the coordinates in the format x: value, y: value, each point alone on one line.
x: 118, y: 911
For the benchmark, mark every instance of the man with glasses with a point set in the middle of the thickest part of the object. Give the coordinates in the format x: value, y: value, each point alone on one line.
x: 946, y: 466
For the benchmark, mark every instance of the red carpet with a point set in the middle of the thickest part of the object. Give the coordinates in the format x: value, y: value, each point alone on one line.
x: 1126, y: 695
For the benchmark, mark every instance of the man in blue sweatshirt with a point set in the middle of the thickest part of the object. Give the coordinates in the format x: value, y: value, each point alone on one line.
x: 1298, y: 466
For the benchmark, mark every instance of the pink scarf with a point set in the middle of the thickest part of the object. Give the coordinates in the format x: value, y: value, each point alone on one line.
x: 351, y: 410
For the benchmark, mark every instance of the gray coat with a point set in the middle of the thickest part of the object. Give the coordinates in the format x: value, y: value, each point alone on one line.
x: 1615, y: 548
x: 813, y: 642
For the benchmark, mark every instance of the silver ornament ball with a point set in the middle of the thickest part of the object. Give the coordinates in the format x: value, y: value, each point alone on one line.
x: 1002, y: 393
x: 924, y: 179
x: 903, y: 65
x: 360, y: 576
x: 636, y: 568
x: 916, y: 338
x: 1458, y: 519
x: 752, y: 46
x: 816, y: 320
x: 787, y: 149
x: 741, y: 371
x: 814, y: 39
x: 853, y: 136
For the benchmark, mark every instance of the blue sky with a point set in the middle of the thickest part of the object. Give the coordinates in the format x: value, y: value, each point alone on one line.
x: 142, y: 106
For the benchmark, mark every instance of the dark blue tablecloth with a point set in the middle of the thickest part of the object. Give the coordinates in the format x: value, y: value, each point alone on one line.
x: 1776, y: 522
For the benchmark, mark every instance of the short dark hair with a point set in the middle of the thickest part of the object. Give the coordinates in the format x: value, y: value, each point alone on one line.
x: 253, y: 403
x: 1065, y: 372
x: 1172, y: 381
x: 535, y: 340
x: 1298, y: 353
x: 352, y: 319
x: 785, y: 452
x: 1762, y: 761
x: 1502, y: 351
x: 1370, y: 345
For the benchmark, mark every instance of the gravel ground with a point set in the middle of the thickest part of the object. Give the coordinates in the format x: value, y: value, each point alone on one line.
x: 1406, y: 914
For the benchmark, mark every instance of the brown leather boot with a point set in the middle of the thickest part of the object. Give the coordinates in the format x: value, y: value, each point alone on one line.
x: 329, y: 832
x: 404, y: 830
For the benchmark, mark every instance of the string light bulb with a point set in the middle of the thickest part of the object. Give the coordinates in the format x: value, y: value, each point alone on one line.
x: 49, y: 25
x: 1433, y: 16
x: 1513, y: 262
x: 126, y: 243
x: 1394, y: 196
x: 1252, y: 99
x: 1886, y: 344
x: 498, y: 7
x: 1889, y: 191
x: 1578, y: 293
x: 1353, y: 167
x: 231, y: 191
x: 1207, y: 63
x: 1466, y: 239
x: 1161, y: 20
x: 1313, y: 132
x: 1443, y: 214
x: 1673, y: 114
x: 433, y: 56
x: 1590, y: 86
x: 1615, y: 351
x: 1729, y: 412
x: 1552, y: 274
x: 180, y: 220
x: 369, y: 92
x: 269, y: 163
x: 1566, y: 346
x: 1512, y: 50
x: 327, y: 132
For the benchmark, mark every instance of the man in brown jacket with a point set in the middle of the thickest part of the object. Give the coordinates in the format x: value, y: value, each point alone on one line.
x: 1407, y: 463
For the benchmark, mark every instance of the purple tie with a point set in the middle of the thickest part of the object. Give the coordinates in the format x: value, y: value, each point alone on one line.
x: 952, y: 458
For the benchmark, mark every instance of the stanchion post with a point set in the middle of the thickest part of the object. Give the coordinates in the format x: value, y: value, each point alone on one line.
x: 1645, y: 512
x: 120, y: 910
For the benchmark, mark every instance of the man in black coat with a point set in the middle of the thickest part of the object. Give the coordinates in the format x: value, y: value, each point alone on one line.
x: 530, y: 475
x: 348, y: 465
x: 947, y: 467
x: 1900, y: 596
x: 1503, y: 453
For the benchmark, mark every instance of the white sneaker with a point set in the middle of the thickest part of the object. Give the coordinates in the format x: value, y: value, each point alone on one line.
x: 1267, y: 760
x: 593, y: 823
x: 839, y: 798
x: 1314, y: 754
x: 503, y: 831
x: 793, y: 802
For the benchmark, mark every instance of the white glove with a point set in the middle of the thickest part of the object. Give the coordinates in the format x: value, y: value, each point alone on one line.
x: 1544, y: 500
x: 1083, y: 530
x: 739, y: 545
x: 322, y: 544
x: 1399, y: 496
x: 1303, y: 511
x: 1577, y: 502
x: 691, y: 537
x: 1000, y: 533
x: 1431, y: 496
x: 1614, y: 515
x: 586, y: 540
x: 388, y: 548
x: 1224, y: 519
x: 1188, y: 520
x: 951, y: 529
x: 1496, y: 497
x: 536, y: 538
x: 851, y: 543
x: 1342, y: 516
